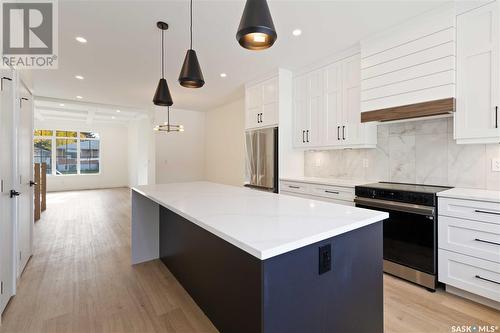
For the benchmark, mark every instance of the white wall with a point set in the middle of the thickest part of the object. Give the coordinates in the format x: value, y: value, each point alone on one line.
x: 225, y: 144
x: 113, y: 150
x: 141, y: 152
x: 180, y: 156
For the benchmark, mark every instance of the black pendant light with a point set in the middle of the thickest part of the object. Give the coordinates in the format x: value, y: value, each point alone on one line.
x: 191, y: 75
x: 256, y: 30
x: 162, y: 95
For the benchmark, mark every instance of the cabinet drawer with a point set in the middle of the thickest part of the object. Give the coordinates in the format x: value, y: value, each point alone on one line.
x: 333, y: 192
x: 477, y: 276
x: 470, y: 209
x: 473, y: 238
x: 294, y: 187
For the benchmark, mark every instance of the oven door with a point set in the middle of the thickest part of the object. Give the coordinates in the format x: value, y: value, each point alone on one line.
x: 409, y: 233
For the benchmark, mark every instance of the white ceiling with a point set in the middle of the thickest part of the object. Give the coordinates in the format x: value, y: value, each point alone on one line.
x: 121, y: 61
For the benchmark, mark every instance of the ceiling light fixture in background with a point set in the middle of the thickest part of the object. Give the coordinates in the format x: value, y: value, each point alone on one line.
x: 297, y: 32
x: 162, y: 95
x: 223, y: 75
x: 79, y: 77
x: 167, y: 127
x: 256, y: 30
x: 81, y: 40
x: 191, y: 75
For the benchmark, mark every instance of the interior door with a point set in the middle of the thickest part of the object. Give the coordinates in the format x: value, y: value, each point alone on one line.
x: 24, y: 177
x: 7, y: 263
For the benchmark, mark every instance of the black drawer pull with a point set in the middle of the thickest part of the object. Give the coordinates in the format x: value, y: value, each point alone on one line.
x: 482, y: 278
x: 332, y: 192
x: 485, y: 241
x: 291, y: 186
x: 486, y: 212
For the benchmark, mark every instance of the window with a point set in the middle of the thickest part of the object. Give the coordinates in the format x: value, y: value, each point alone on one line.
x: 74, y: 152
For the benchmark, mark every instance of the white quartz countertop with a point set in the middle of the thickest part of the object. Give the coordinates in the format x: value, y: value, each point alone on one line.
x: 260, y: 223
x: 471, y: 194
x: 326, y: 181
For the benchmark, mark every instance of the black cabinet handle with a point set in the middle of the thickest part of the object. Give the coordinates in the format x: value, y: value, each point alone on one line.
x: 343, y: 132
x: 485, y: 241
x: 486, y: 212
x: 303, y: 139
x: 485, y: 279
x: 332, y: 192
x: 4, y: 78
x: 261, y: 117
x: 496, y: 116
x: 291, y: 186
x: 307, y: 135
x: 32, y: 183
x: 338, y: 132
x: 14, y: 193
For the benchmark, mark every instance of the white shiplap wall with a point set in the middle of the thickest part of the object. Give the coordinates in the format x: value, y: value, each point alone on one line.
x: 410, y: 63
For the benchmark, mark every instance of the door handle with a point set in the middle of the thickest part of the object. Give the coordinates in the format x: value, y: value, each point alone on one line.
x: 4, y: 78
x: 338, y: 132
x: 14, y: 193
x: 343, y: 132
x: 32, y: 183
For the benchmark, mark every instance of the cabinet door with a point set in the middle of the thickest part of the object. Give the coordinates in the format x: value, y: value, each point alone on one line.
x: 253, y: 106
x: 333, y: 104
x: 477, y: 74
x: 300, y: 110
x: 315, y: 108
x: 351, y: 128
x: 269, y: 111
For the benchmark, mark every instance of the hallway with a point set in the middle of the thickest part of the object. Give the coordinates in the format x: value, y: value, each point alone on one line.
x: 80, y: 280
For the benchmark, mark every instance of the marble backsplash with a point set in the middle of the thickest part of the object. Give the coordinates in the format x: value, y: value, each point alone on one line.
x: 421, y: 152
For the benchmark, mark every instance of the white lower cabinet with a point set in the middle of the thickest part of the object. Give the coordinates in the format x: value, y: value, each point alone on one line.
x: 322, y: 192
x: 469, y: 246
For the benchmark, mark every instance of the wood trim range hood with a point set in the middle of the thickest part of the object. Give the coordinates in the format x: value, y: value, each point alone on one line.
x: 417, y: 110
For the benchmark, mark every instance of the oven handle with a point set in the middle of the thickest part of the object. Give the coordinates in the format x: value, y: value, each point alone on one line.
x: 394, y: 205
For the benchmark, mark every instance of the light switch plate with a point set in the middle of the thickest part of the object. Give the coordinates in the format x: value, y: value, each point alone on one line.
x: 495, y: 164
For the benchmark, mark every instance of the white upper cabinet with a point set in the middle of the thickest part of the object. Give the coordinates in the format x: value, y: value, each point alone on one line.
x: 411, y: 63
x: 261, y: 104
x: 327, y: 110
x: 476, y: 119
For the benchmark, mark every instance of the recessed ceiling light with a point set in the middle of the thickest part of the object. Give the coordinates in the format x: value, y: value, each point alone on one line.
x: 79, y: 77
x: 61, y: 104
x: 223, y: 74
x: 79, y: 97
x: 297, y: 32
x: 81, y: 40
x: 113, y: 117
x: 118, y: 111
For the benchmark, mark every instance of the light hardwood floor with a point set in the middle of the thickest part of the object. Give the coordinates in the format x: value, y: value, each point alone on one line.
x: 80, y: 280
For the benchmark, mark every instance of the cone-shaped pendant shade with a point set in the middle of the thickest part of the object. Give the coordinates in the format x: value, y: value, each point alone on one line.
x: 162, y: 95
x: 256, y: 30
x: 191, y: 75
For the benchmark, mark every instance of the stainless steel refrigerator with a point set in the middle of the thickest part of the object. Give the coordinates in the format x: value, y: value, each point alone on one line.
x: 261, y: 167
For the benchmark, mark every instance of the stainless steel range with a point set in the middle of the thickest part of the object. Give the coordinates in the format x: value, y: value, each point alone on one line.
x: 410, y: 232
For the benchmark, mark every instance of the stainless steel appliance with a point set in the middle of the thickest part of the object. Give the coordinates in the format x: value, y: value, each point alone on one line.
x: 410, y: 232
x: 261, y: 167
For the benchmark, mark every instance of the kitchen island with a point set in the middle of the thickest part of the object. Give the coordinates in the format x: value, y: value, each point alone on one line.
x: 263, y: 262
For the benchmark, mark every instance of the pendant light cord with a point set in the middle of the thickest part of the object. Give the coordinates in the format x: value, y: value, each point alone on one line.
x: 162, y: 51
x: 191, y: 23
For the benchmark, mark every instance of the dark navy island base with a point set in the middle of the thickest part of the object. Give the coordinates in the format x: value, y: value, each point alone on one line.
x: 283, y: 294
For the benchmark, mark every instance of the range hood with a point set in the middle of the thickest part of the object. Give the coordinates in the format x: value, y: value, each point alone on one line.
x: 411, y: 111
